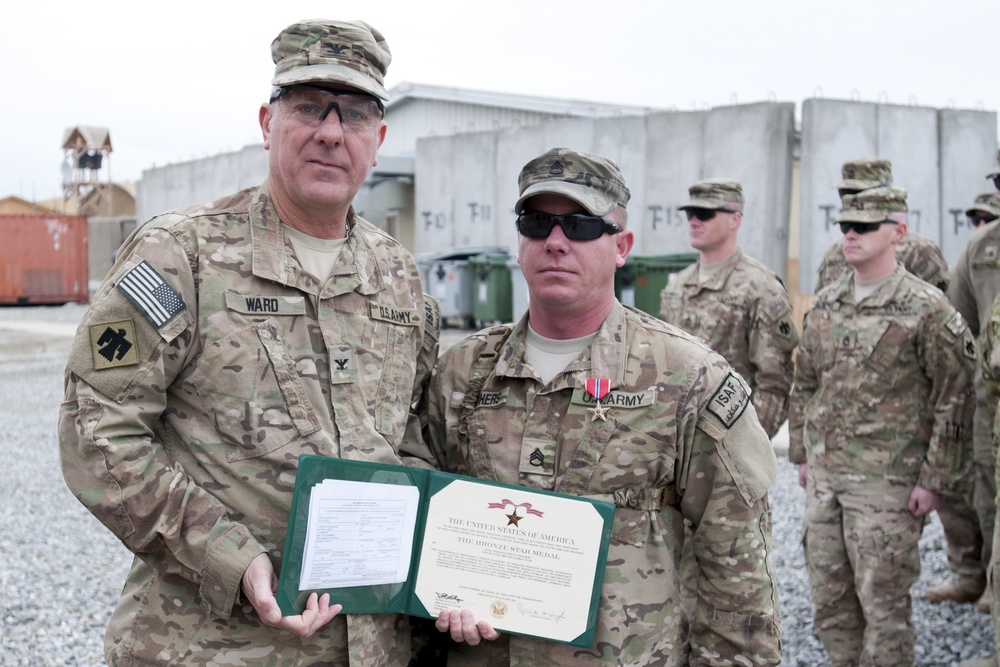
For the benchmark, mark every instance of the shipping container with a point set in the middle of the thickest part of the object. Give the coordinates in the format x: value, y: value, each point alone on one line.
x: 43, y: 258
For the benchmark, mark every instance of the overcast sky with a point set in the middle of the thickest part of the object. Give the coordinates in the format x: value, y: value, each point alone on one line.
x: 173, y: 81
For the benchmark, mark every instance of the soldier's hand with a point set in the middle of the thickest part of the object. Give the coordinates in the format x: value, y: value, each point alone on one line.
x: 923, y: 501
x: 462, y: 626
x: 259, y: 585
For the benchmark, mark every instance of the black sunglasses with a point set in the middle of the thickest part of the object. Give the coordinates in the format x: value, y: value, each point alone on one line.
x: 863, y: 227
x: 705, y: 214
x: 978, y: 219
x: 576, y: 226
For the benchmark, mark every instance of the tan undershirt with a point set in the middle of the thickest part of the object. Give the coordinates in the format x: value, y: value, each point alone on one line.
x: 707, y: 271
x: 549, y: 356
x: 865, y: 288
x: 317, y: 256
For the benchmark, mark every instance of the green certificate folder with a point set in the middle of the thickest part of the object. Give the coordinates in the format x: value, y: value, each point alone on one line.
x: 383, y: 539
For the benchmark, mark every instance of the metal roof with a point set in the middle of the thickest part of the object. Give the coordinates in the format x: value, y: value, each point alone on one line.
x: 410, y: 92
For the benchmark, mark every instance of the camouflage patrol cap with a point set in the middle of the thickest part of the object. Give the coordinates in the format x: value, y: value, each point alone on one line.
x: 873, y: 205
x: 348, y: 53
x: 594, y: 182
x: 987, y: 202
x: 864, y: 173
x: 714, y: 193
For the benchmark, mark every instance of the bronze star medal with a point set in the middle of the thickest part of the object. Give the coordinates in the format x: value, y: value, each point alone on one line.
x: 598, y: 388
x: 513, y: 518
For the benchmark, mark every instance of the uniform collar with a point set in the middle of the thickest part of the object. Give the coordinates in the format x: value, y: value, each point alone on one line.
x: 882, y: 296
x: 721, y: 275
x: 605, y: 358
x: 275, y: 260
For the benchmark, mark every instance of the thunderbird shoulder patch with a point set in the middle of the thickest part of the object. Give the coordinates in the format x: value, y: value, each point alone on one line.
x: 114, y: 344
x: 730, y: 400
x: 151, y: 294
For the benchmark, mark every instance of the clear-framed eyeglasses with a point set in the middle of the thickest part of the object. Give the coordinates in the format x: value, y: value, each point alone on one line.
x: 311, y: 105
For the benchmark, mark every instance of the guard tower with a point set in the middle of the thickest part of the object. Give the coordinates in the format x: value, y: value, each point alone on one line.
x: 88, y: 152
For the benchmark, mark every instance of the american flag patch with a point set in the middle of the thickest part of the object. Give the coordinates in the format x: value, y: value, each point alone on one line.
x: 151, y: 294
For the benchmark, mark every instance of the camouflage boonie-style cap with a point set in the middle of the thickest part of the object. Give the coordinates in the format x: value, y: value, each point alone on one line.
x: 864, y: 173
x: 594, y: 182
x: 348, y: 53
x: 873, y: 205
x: 987, y: 202
x: 714, y: 193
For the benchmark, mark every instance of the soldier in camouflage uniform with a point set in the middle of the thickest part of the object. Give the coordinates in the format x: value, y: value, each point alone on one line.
x: 990, y: 367
x: 918, y: 254
x: 733, y: 302
x: 230, y: 338
x: 676, y: 438
x: 877, y: 420
x: 985, y: 210
x: 975, y: 284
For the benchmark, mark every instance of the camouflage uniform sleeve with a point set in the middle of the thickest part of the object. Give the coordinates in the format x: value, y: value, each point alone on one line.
x: 413, y: 451
x: 830, y: 267
x: 773, y: 337
x: 949, y: 358
x: 731, y: 466
x: 962, y: 293
x: 111, y: 449
x: 447, y: 388
x: 933, y: 268
x: 806, y: 384
x: 990, y: 356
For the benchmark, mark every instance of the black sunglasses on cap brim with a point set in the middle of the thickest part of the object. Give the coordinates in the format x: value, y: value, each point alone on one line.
x: 576, y: 226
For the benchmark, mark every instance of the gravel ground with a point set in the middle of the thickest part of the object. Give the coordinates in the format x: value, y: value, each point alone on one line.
x: 61, y: 571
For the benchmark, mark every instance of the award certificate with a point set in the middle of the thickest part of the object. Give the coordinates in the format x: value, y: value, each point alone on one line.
x: 391, y: 539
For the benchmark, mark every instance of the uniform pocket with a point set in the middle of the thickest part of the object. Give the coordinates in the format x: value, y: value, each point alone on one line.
x: 254, y: 393
x: 887, y: 348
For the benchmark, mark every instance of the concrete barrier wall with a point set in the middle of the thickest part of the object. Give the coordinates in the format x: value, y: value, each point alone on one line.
x: 164, y: 188
x: 660, y: 156
x: 752, y: 143
x: 967, y: 151
x: 939, y: 156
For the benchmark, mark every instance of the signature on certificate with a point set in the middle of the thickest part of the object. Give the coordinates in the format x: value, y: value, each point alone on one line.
x: 448, y: 597
x: 542, y: 614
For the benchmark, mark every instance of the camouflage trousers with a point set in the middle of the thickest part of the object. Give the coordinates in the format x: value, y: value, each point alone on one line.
x: 994, y: 569
x: 968, y: 516
x: 861, y: 548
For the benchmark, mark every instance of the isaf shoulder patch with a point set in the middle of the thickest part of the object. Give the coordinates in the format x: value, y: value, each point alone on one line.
x: 151, y: 294
x: 730, y: 400
x: 114, y: 344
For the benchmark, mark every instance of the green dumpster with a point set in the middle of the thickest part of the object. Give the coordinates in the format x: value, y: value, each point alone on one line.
x: 640, y: 280
x: 492, y: 300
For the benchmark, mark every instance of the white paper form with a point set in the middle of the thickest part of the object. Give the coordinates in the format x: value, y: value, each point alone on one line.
x: 359, y: 534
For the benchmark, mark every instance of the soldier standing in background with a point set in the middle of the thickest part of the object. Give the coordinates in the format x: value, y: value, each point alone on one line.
x: 975, y: 284
x: 988, y: 206
x: 733, y: 302
x: 675, y: 438
x: 918, y: 254
x: 995, y: 177
x: 985, y: 210
x: 230, y: 338
x: 877, y: 424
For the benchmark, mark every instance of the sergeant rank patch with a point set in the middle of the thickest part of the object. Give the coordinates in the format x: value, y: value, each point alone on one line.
x: 114, y: 344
